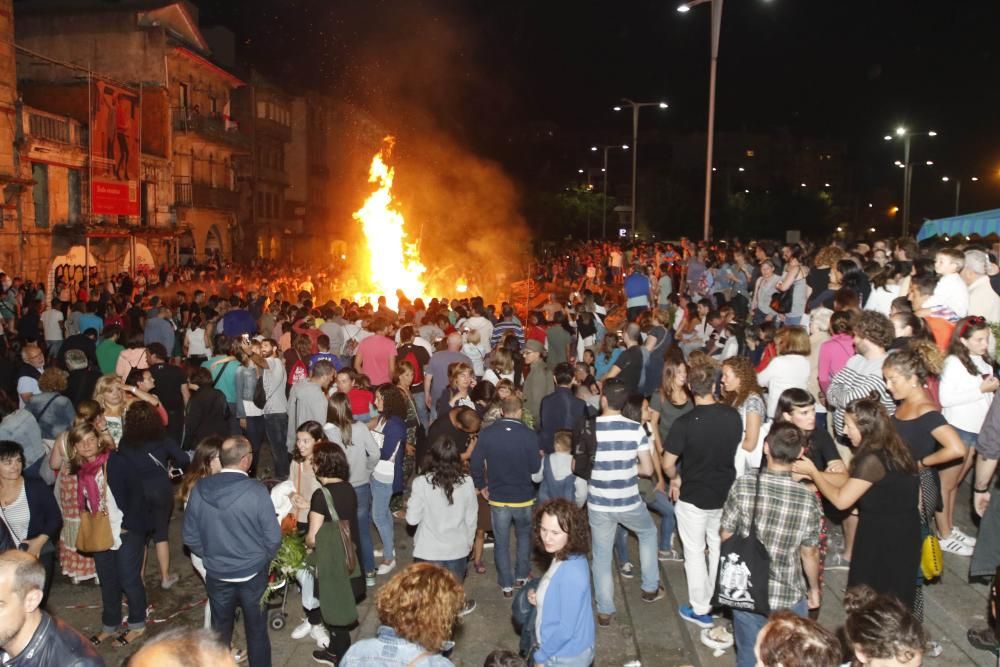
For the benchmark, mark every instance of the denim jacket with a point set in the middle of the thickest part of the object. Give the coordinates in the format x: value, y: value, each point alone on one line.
x: 387, y: 649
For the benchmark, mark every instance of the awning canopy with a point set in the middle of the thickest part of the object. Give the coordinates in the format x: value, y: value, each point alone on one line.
x: 983, y: 223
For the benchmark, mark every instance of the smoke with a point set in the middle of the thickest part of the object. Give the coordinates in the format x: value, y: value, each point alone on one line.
x: 417, y: 71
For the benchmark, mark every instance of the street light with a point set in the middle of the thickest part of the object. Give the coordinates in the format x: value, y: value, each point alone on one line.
x: 958, y: 188
x: 907, y: 166
x: 604, y: 192
x: 635, y: 142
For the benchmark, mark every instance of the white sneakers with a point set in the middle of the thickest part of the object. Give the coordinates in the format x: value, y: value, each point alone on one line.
x: 317, y: 632
x: 958, y: 543
x: 386, y: 568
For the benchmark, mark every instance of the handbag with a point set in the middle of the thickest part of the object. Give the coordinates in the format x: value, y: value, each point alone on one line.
x: 781, y: 302
x: 744, y: 569
x: 931, y: 561
x: 94, y: 534
x: 350, y: 551
x: 385, y: 467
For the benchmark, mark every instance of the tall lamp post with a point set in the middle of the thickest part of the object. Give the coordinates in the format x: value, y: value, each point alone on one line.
x: 604, y: 191
x: 635, y: 142
x: 716, y: 28
x: 958, y: 188
x: 906, y: 135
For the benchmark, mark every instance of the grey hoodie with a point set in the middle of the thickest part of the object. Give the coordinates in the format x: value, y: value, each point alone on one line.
x: 231, y: 523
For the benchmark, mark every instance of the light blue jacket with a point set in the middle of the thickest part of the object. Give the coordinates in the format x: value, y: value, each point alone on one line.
x: 567, y: 625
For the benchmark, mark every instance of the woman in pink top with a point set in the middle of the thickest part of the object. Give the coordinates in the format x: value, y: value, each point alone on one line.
x: 834, y: 353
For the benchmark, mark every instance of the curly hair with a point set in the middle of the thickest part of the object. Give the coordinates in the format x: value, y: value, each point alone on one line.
x: 421, y: 603
x: 444, y: 466
x: 572, y: 521
x: 918, y: 358
x: 880, y: 626
x: 745, y: 373
x: 828, y: 256
x: 393, y: 401
x: 53, y: 379
x: 876, y: 327
x: 788, y: 639
x: 142, y: 424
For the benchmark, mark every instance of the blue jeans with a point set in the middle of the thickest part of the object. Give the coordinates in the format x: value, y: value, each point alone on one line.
x: 457, y: 566
x: 660, y: 503
x: 502, y: 518
x: 968, y: 437
x: 585, y: 659
x: 364, y: 493
x: 120, y: 573
x: 423, y: 412
x: 224, y: 597
x: 602, y: 533
x: 276, y: 430
x: 747, y: 625
x: 382, y: 517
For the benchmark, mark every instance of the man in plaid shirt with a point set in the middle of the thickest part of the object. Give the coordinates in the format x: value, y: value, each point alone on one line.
x: 788, y: 517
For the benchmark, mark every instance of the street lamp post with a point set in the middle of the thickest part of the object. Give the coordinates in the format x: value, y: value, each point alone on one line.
x: 958, y: 189
x: 906, y: 135
x: 716, y: 28
x: 635, y: 144
x: 604, y: 190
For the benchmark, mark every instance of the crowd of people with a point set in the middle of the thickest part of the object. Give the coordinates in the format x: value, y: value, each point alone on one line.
x: 819, y: 406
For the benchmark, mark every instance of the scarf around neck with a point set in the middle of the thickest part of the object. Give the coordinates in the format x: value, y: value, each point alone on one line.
x: 87, y: 483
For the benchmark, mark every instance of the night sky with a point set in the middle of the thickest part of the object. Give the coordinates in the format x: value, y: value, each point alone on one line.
x: 492, y: 72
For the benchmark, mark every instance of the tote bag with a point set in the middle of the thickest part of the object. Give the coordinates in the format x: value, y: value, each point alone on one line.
x: 94, y: 534
x: 744, y: 569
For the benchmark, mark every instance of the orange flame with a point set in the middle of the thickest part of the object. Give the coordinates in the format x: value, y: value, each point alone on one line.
x: 393, y: 260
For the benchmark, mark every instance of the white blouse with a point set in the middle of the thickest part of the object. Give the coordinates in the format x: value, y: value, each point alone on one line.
x: 962, y: 404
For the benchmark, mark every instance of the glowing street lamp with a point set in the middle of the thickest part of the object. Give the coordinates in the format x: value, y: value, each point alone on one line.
x: 604, y: 193
x: 907, y: 166
x: 635, y: 142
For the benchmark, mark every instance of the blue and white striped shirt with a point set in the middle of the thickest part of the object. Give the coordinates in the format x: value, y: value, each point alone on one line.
x: 614, y: 480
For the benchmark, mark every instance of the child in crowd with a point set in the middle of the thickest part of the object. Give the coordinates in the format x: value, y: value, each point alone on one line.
x: 362, y: 399
x: 950, y: 291
x: 555, y: 475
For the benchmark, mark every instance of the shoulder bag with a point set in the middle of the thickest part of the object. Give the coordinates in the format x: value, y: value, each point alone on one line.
x: 94, y: 534
x: 781, y: 301
x: 744, y: 569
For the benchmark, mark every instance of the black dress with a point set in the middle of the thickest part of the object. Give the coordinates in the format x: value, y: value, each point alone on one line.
x: 887, y: 546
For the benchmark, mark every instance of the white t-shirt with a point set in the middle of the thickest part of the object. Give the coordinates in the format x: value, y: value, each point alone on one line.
x: 196, y: 343
x: 50, y: 323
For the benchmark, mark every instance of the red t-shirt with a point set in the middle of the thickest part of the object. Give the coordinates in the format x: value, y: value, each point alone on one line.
x: 361, y: 401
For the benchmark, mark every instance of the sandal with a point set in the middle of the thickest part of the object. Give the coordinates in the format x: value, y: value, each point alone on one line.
x: 96, y: 640
x: 479, y: 567
x: 239, y: 655
x: 124, y: 640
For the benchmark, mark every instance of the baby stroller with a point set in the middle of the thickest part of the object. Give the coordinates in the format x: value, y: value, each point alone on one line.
x: 289, y: 562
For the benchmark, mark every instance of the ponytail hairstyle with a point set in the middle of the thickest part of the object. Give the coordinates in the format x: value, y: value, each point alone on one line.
x: 916, y: 324
x: 919, y: 358
x: 879, y: 435
x: 880, y: 627
x: 964, y: 331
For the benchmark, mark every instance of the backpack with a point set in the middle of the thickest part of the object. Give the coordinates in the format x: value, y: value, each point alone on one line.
x: 584, y: 445
x: 298, y: 372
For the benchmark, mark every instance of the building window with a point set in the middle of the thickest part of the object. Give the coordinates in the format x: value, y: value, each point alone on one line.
x: 40, y: 194
x: 260, y: 204
x: 183, y: 96
x: 261, y: 110
x: 213, y: 105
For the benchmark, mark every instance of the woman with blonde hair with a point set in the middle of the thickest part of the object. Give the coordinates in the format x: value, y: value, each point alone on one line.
x: 790, y: 368
x: 109, y: 392
x: 741, y: 391
x: 417, y: 609
x: 501, y: 366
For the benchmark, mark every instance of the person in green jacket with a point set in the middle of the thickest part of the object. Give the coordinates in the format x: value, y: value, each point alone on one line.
x: 109, y: 349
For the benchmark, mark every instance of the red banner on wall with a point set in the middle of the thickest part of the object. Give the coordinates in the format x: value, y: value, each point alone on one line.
x: 114, y: 149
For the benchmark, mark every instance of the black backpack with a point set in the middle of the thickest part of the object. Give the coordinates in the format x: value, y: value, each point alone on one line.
x: 584, y: 445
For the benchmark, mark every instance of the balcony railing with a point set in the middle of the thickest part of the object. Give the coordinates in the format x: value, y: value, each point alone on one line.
x: 204, y: 195
x: 51, y: 127
x: 212, y: 126
x: 274, y: 129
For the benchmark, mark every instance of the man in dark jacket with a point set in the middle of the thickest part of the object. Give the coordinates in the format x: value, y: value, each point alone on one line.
x: 560, y: 409
x: 510, y: 450
x: 28, y: 635
x: 230, y: 523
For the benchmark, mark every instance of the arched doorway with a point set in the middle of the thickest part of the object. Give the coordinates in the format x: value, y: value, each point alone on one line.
x: 213, y: 242
x: 143, y: 259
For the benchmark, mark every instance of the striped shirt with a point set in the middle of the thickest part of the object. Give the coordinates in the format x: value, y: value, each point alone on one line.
x: 857, y: 379
x: 614, y: 480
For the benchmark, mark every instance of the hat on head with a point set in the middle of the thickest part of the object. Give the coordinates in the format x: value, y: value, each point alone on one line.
x: 534, y: 346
